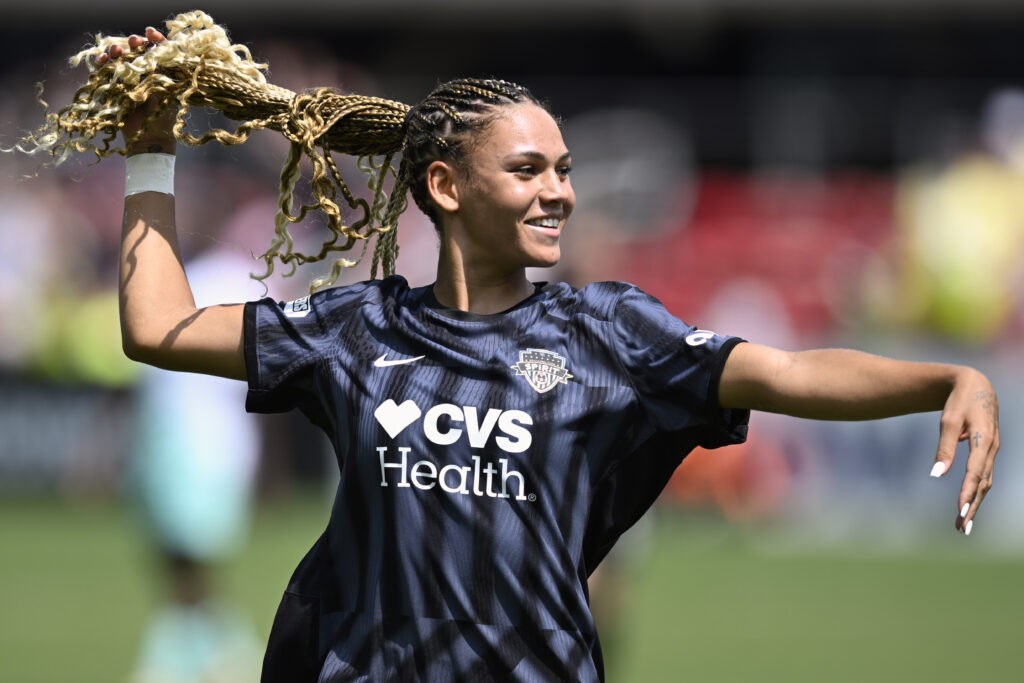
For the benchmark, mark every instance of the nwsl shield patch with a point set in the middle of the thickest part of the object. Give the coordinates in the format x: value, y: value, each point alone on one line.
x: 543, y: 369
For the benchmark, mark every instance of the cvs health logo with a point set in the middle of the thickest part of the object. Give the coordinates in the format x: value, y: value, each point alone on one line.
x: 513, y: 436
x: 445, y: 424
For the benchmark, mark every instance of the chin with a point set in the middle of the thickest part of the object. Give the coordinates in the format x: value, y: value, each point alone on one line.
x: 546, y: 260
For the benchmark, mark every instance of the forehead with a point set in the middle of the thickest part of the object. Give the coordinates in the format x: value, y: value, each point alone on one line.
x: 521, y: 128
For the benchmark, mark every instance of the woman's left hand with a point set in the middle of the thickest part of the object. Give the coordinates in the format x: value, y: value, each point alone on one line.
x: 839, y: 384
x: 971, y: 414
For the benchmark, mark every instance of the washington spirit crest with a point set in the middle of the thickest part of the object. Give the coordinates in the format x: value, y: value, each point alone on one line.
x: 543, y: 369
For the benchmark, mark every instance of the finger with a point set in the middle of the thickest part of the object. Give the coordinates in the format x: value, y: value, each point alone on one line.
x: 135, y: 41
x: 154, y: 36
x: 978, y: 478
x: 949, y: 433
x: 102, y: 59
x: 969, y: 511
x: 115, y: 51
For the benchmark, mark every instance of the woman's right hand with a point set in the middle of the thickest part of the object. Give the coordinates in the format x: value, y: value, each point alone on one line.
x: 159, y: 135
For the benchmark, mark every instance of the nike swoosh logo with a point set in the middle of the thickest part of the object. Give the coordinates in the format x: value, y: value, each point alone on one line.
x: 382, y: 363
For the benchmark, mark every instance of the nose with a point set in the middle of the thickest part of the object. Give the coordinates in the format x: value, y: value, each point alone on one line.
x: 555, y: 188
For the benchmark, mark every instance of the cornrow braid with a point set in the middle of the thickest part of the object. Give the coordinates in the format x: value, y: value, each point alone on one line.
x: 197, y: 65
x: 445, y: 122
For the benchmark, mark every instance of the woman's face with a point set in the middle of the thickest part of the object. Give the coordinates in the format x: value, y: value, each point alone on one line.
x: 514, y: 194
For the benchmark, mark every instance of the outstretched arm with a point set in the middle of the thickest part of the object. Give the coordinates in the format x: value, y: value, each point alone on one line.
x: 838, y: 384
x: 160, y: 323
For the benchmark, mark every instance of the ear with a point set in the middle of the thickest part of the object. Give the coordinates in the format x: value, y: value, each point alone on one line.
x: 442, y: 186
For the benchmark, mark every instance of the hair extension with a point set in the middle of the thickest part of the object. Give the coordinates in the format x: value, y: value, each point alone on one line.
x: 197, y: 65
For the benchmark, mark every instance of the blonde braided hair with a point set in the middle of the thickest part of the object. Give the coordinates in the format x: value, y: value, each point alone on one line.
x: 197, y: 65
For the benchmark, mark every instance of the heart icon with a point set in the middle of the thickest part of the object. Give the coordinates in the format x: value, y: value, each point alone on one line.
x: 394, y: 418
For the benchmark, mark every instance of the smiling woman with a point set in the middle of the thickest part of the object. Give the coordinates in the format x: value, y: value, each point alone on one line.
x: 495, y: 437
x: 501, y: 210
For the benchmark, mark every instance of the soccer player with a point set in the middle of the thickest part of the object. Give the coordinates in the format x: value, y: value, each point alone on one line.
x: 495, y: 436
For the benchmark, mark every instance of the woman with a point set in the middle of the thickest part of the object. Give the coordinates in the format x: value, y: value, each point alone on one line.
x: 495, y: 436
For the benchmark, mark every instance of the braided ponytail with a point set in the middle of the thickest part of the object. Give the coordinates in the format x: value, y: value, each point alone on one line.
x: 197, y: 65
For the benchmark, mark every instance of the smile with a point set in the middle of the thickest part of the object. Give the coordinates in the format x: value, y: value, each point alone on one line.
x: 552, y: 233
x: 546, y: 226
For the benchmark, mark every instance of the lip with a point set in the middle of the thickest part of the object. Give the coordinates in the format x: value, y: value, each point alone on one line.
x: 549, y: 232
x: 553, y: 233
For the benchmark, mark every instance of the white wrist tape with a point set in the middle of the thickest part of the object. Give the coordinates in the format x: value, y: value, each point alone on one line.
x: 149, y: 173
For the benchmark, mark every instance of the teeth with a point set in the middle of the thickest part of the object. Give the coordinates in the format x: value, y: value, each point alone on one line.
x: 544, y: 222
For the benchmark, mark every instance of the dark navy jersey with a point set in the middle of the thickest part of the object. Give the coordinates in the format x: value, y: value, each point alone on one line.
x: 488, y: 463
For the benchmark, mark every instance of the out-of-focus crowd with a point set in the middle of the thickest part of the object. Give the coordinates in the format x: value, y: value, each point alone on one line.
x: 922, y: 261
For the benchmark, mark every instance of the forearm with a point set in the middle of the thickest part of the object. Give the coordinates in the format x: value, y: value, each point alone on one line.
x: 160, y: 324
x: 836, y: 384
x: 839, y: 384
x: 154, y: 292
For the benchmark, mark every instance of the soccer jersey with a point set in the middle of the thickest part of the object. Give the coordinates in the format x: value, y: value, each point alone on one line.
x: 488, y: 463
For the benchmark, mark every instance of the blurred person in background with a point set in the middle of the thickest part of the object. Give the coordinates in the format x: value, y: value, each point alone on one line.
x: 961, y: 233
x: 193, y: 474
x: 416, y: 577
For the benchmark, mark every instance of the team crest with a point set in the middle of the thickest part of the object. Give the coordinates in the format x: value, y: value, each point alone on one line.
x: 543, y: 369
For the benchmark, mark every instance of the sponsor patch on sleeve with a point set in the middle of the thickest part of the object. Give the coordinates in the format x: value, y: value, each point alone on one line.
x: 298, y: 308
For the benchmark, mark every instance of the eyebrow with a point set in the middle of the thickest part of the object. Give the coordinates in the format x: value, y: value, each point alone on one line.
x: 530, y: 154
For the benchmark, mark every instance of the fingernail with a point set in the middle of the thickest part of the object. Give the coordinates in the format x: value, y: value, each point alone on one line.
x: 964, y: 509
x: 967, y: 527
x: 938, y: 468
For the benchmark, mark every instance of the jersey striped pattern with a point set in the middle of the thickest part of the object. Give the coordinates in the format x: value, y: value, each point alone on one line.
x: 488, y: 463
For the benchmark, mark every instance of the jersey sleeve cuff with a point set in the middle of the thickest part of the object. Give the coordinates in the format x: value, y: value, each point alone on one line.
x: 727, y: 425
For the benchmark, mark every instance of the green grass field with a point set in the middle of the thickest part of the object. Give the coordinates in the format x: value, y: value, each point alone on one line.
x: 710, y: 602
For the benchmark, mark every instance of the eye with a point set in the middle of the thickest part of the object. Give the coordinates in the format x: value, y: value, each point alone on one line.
x: 526, y: 170
x: 564, y: 171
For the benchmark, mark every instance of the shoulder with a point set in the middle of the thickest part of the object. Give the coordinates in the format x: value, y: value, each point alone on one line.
x: 601, y: 300
x: 325, y: 311
x: 339, y: 300
x: 372, y: 291
x: 283, y: 337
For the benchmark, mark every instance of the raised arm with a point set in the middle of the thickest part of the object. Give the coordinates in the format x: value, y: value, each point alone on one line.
x: 160, y: 323
x: 838, y: 384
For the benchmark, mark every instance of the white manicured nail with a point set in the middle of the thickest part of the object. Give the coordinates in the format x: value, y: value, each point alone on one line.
x: 967, y: 528
x: 964, y: 509
x: 938, y: 468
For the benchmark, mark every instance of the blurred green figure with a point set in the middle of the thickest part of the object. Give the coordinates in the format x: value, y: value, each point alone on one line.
x: 193, y: 471
x: 962, y: 233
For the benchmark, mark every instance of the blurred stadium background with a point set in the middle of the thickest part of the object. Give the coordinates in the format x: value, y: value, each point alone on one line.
x: 832, y: 173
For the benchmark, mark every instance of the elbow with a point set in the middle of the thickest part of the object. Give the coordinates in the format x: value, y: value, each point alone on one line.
x: 155, y: 340
x: 129, y: 340
x: 133, y: 351
x: 134, y: 348
x: 140, y: 346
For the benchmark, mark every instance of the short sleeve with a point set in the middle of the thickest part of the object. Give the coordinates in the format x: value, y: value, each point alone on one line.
x: 284, y: 343
x: 675, y: 369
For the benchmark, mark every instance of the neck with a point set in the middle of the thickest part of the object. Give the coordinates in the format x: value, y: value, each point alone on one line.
x: 477, y: 288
